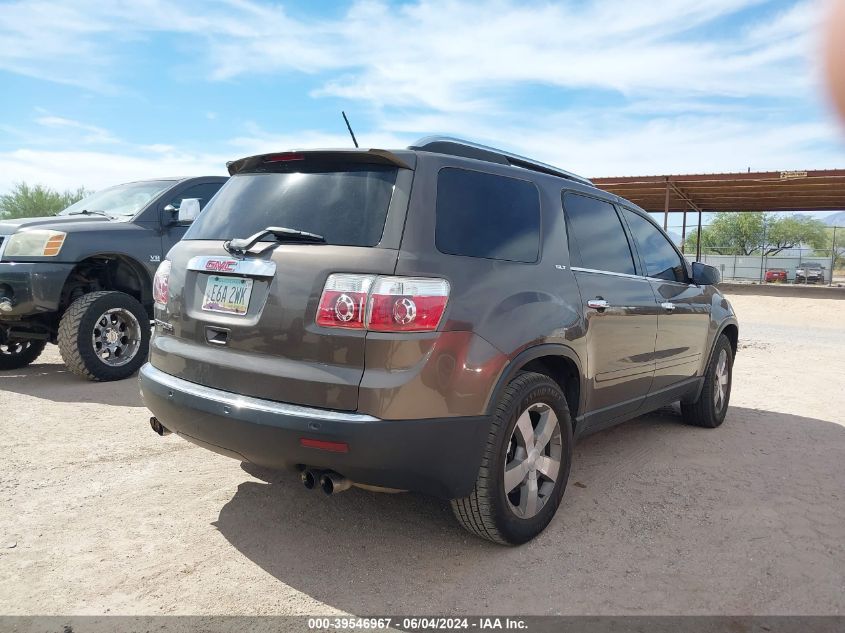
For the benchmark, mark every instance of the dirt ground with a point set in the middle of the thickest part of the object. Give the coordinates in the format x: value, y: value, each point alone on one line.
x: 100, y: 516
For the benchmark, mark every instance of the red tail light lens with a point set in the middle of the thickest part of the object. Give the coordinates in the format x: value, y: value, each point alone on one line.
x: 161, y: 283
x: 407, y: 304
x: 283, y: 157
x: 323, y: 445
x: 383, y: 304
x: 344, y: 301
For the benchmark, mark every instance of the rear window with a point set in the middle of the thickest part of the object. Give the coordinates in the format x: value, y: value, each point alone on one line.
x: 347, y: 207
x: 484, y: 215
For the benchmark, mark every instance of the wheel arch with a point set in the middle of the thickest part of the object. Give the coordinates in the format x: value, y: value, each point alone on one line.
x: 731, y: 330
x: 110, y: 271
x: 558, y: 362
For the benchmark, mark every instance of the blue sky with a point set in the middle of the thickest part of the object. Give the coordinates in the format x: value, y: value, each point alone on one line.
x: 98, y: 93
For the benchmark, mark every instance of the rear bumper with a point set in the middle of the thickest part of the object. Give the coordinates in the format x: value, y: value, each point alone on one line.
x: 438, y: 456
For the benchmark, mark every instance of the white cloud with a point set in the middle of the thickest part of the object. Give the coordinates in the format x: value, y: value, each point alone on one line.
x: 258, y: 140
x: 683, y: 101
x: 610, y: 145
x: 54, y: 41
x: 440, y: 54
x: 698, y: 143
x: 95, y: 170
x: 90, y: 133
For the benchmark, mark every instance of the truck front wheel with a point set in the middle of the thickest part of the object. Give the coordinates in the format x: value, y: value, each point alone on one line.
x: 104, y: 336
x: 15, y: 354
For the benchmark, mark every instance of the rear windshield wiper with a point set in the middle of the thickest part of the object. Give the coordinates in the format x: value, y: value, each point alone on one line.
x: 90, y: 212
x: 282, y: 234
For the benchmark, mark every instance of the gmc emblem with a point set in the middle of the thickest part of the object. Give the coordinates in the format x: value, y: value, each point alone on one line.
x: 221, y: 265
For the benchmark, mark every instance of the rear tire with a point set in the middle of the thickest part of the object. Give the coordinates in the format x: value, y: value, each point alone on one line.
x: 104, y: 336
x: 712, y: 405
x: 531, y: 433
x: 17, y: 354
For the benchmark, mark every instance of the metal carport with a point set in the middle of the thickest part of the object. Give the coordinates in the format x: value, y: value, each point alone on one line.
x: 818, y: 190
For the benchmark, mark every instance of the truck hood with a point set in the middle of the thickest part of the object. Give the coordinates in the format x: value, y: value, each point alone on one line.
x: 54, y: 223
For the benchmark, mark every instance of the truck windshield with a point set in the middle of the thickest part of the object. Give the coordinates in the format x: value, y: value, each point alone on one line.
x: 347, y: 206
x: 121, y: 201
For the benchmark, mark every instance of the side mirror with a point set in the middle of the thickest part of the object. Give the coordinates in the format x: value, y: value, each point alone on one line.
x: 188, y: 210
x: 704, y: 275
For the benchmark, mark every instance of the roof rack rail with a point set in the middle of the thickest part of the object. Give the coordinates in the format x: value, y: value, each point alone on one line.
x: 467, y: 149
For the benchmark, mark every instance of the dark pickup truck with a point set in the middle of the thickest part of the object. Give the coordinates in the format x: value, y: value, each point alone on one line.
x: 83, y: 279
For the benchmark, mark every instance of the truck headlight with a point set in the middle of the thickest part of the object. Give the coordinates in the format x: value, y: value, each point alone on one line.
x: 39, y: 243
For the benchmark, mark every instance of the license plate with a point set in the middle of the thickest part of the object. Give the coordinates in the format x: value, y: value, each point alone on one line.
x: 229, y: 295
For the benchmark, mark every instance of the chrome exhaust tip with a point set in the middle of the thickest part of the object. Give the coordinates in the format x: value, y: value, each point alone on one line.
x: 158, y: 427
x: 310, y: 478
x: 332, y: 483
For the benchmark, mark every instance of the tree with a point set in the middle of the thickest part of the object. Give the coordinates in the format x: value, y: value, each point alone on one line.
x: 730, y: 234
x: 793, y: 231
x: 746, y: 233
x: 25, y: 201
x: 838, y: 247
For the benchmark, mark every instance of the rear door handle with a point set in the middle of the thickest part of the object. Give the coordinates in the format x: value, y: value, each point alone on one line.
x: 668, y: 306
x: 598, y: 304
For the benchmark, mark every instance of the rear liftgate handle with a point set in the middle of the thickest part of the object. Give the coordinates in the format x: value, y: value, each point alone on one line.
x: 216, y: 335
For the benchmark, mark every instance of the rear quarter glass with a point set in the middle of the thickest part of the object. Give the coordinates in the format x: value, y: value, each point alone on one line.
x: 487, y: 216
x: 346, y: 205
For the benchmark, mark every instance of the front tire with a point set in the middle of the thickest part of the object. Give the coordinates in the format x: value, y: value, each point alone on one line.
x: 16, y: 354
x: 525, y: 465
x: 712, y: 405
x: 104, y: 336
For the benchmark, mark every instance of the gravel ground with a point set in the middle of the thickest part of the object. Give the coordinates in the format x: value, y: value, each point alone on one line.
x: 100, y: 516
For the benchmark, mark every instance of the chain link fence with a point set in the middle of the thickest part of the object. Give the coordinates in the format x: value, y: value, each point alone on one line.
x: 781, y: 267
x: 752, y: 264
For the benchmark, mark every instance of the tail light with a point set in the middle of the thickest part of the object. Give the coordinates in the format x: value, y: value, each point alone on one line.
x: 344, y: 301
x: 161, y: 283
x: 383, y: 304
x: 407, y: 304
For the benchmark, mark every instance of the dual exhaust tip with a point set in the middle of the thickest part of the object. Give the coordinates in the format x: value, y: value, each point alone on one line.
x: 329, y: 481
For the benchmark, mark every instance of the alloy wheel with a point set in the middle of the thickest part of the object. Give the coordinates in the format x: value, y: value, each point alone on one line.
x: 116, y: 337
x: 14, y: 348
x: 720, y: 393
x: 532, y: 463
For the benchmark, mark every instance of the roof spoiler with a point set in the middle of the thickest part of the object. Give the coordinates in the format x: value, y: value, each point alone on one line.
x: 467, y: 149
x: 360, y: 156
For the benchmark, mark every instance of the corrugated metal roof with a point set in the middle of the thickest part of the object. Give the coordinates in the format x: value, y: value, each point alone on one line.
x: 810, y: 190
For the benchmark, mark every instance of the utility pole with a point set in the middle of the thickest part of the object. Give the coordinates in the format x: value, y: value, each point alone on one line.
x: 832, y: 256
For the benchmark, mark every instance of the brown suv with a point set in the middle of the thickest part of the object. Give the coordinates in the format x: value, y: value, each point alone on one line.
x: 444, y: 319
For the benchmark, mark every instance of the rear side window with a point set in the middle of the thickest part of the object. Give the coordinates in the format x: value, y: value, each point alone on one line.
x: 661, y: 259
x: 596, y: 234
x: 484, y: 215
x: 348, y: 207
